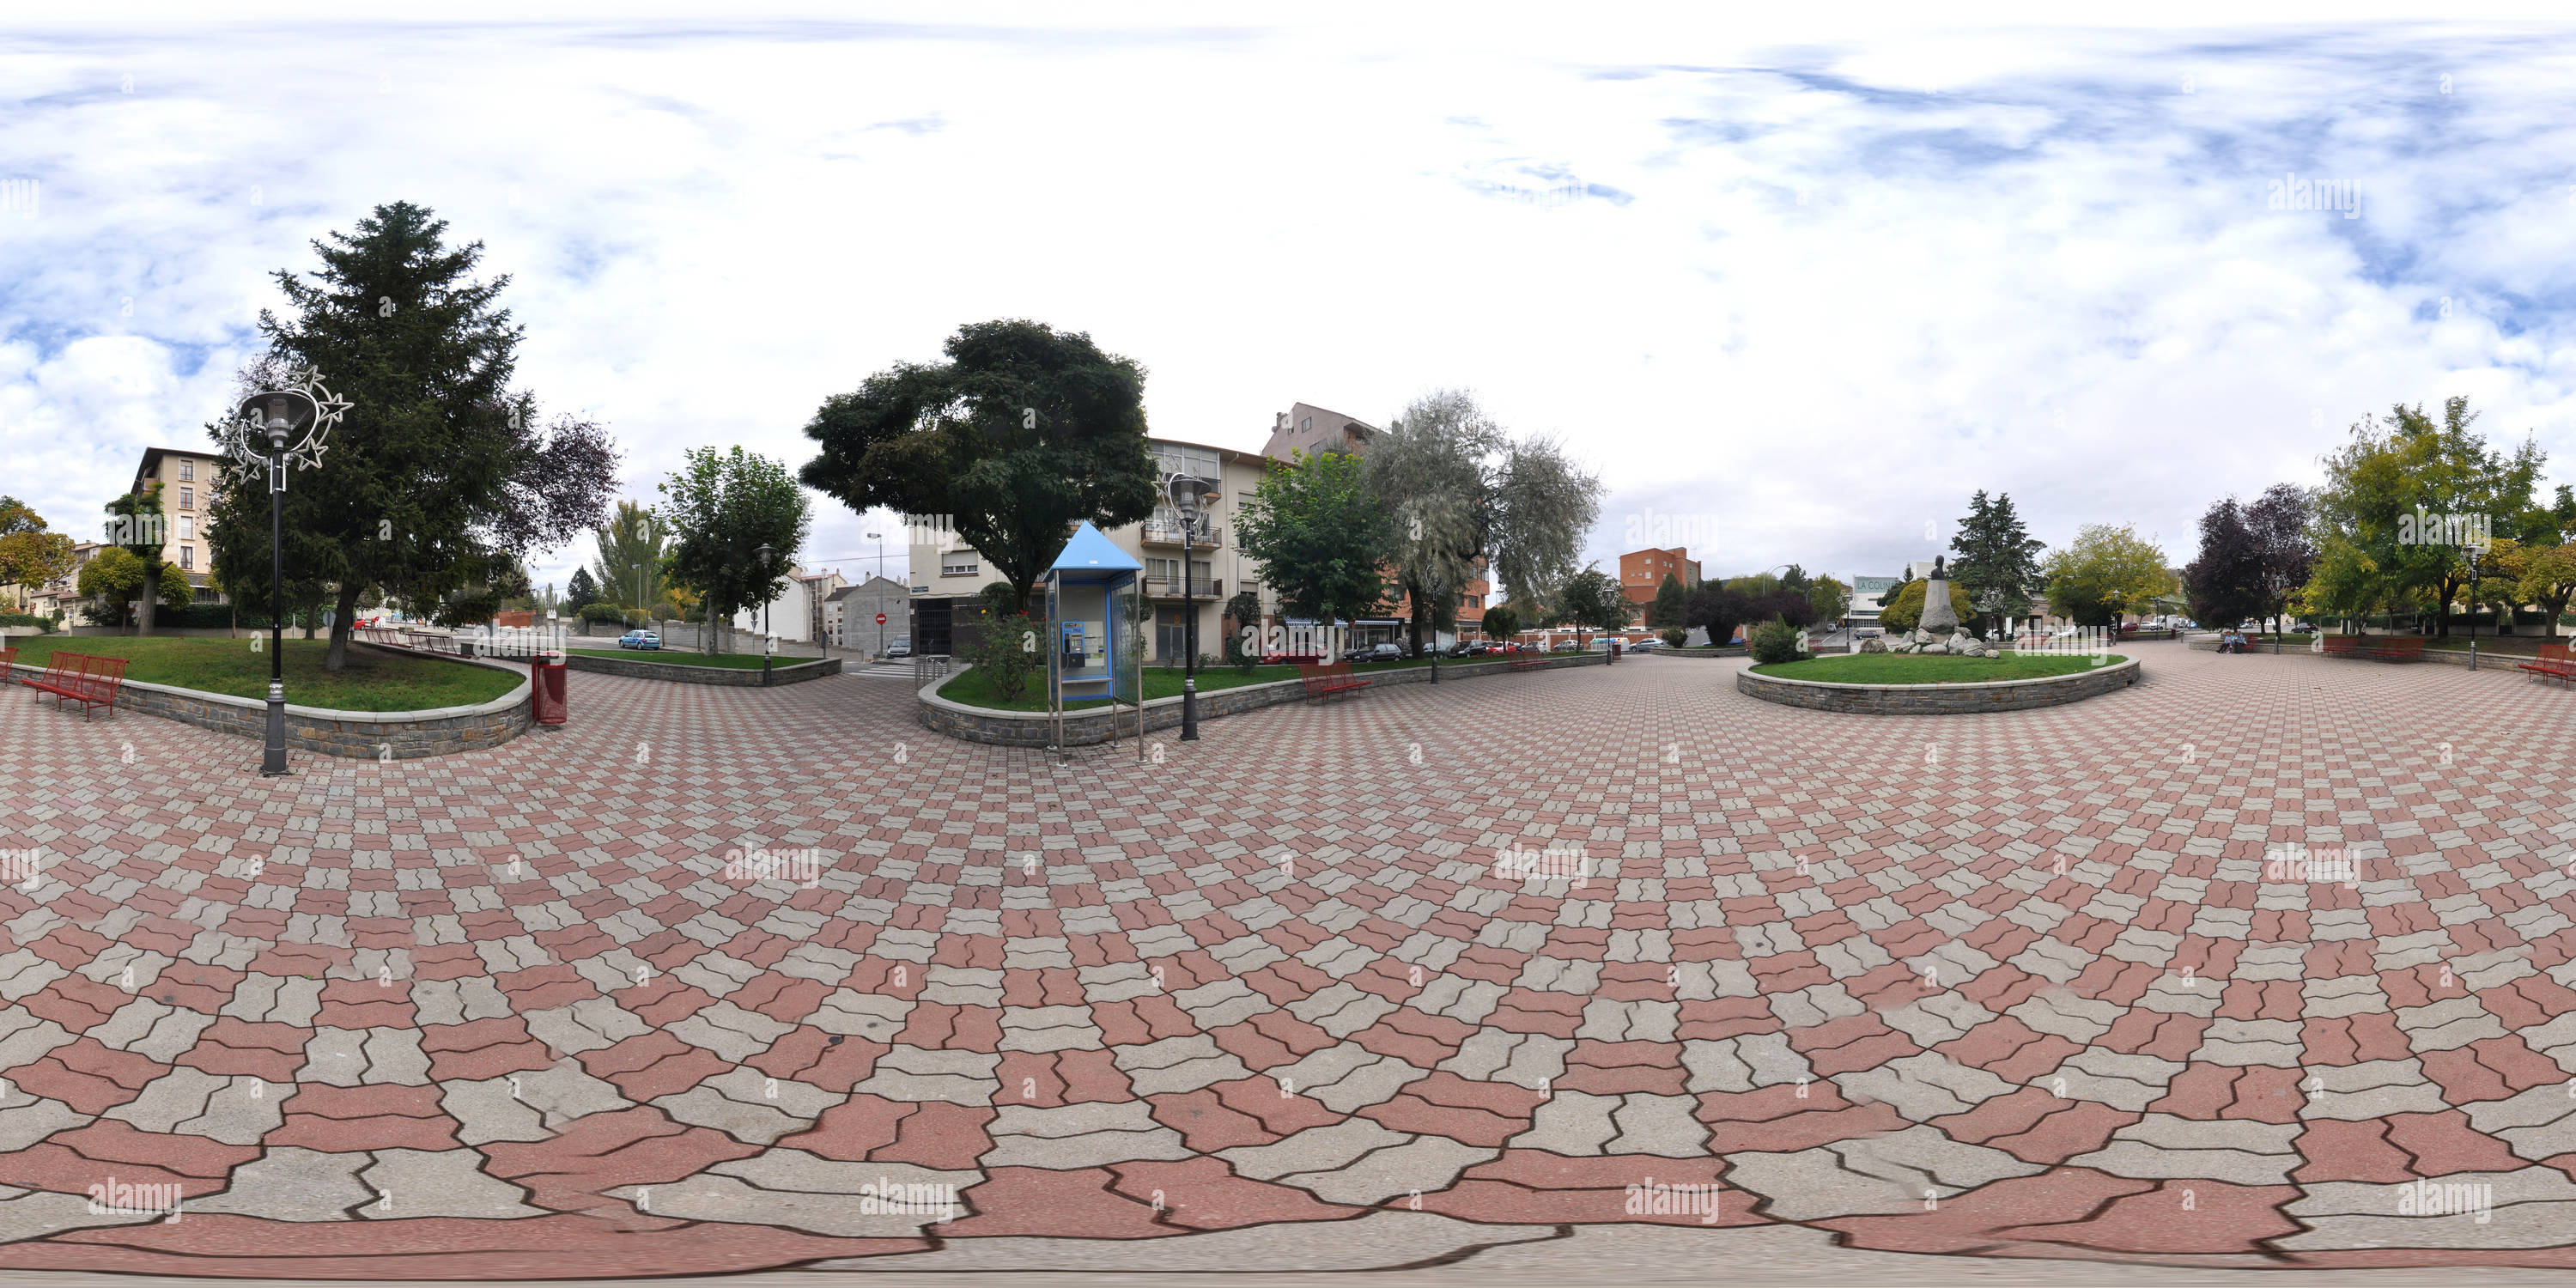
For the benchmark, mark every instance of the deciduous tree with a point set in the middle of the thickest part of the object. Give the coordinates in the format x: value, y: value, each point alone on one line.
x: 2107, y: 571
x: 1591, y: 599
x: 1321, y: 536
x: 720, y: 508
x: 1024, y: 432
x: 2224, y: 581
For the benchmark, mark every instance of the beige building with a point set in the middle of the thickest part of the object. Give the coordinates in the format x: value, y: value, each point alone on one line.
x: 1306, y: 428
x: 188, y: 480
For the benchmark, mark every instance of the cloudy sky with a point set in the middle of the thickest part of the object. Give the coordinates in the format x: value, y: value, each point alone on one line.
x: 1794, y: 287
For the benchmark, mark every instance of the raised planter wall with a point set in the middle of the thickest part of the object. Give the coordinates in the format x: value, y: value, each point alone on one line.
x: 407, y: 735
x: 1939, y: 699
x: 1097, y: 725
x: 637, y: 667
x: 2487, y: 660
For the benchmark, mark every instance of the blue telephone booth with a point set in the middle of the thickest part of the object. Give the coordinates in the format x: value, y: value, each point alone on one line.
x: 1091, y: 598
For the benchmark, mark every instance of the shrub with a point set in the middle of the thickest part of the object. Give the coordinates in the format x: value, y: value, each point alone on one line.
x: 1008, y: 654
x: 1774, y: 641
x: 1905, y: 612
x: 25, y: 621
x: 605, y: 613
x: 1674, y: 636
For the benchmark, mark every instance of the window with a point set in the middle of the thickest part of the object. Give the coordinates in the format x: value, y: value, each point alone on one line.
x: 187, y: 471
x: 187, y: 555
x: 187, y: 498
x: 957, y: 565
x: 1163, y: 569
x: 1200, y: 569
x: 187, y: 527
x: 1306, y: 425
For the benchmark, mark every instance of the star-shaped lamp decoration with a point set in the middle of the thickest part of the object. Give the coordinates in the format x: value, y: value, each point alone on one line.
x: 287, y: 424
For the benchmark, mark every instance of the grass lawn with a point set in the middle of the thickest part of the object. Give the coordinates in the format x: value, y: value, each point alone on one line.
x: 373, y: 681
x: 974, y: 690
x: 684, y: 657
x: 1909, y: 668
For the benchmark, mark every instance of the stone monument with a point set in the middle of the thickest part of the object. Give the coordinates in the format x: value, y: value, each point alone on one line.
x: 1938, y: 629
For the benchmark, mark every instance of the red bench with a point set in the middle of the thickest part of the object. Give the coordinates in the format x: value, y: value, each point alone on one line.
x: 1327, y: 680
x: 2396, y: 648
x: 2342, y: 646
x: 1528, y: 662
x: 2553, y: 663
x: 78, y: 677
x: 8, y: 661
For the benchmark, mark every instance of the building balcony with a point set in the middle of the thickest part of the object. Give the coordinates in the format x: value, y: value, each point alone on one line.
x: 1204, y: 536
x: 1170, y: 587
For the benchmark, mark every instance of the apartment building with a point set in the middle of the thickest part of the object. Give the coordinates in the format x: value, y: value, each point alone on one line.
x: 1642, y: 573
x: 61, y: 595
x: 188, y: 479
x: 949, y: 575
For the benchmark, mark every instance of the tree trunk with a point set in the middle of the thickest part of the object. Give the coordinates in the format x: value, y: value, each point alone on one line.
x: 151, y: 595
x: 338, y: 656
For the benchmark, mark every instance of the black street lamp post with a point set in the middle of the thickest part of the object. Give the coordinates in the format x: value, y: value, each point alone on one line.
x: 1187, y: 495
x: 769, y: 642
x: 269, y: 429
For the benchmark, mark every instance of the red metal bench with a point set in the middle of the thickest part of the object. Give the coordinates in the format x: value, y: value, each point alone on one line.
x: 2396, y: 648
x: 1326, y: 680
x: 8, y: 661
x: 2553, y: 663
x: 2342, y: 646
x: 78, y: 677
x: 1529, y: 662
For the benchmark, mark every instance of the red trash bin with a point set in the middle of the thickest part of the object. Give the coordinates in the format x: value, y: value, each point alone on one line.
x: 546, y: 682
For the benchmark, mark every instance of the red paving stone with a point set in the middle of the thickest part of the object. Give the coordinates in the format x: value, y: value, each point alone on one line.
x: 1819, y: 970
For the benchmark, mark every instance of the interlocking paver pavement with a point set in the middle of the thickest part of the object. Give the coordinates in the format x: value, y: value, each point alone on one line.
x: 2032, y: 984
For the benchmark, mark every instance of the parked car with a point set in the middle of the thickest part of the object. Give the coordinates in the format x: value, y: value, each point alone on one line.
x: 640, y: 639
x: 1650, y: 642
x: 1377, y: 653
x: 901, y: 647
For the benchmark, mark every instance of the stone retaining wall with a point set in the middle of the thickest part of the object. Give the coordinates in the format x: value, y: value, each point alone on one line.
x: 1097, y: 725
x: 405, y: 735
x: 2487, y: 661
x: 638, y: 668
x: 1939, y: 699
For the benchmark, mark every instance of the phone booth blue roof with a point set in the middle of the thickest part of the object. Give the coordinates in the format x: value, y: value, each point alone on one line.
x: 1090, y: 556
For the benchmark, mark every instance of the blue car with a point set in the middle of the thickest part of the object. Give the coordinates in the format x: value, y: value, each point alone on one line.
x: 640, y: 639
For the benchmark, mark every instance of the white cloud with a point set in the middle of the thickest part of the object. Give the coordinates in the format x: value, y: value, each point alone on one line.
x: 1817, y: 285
